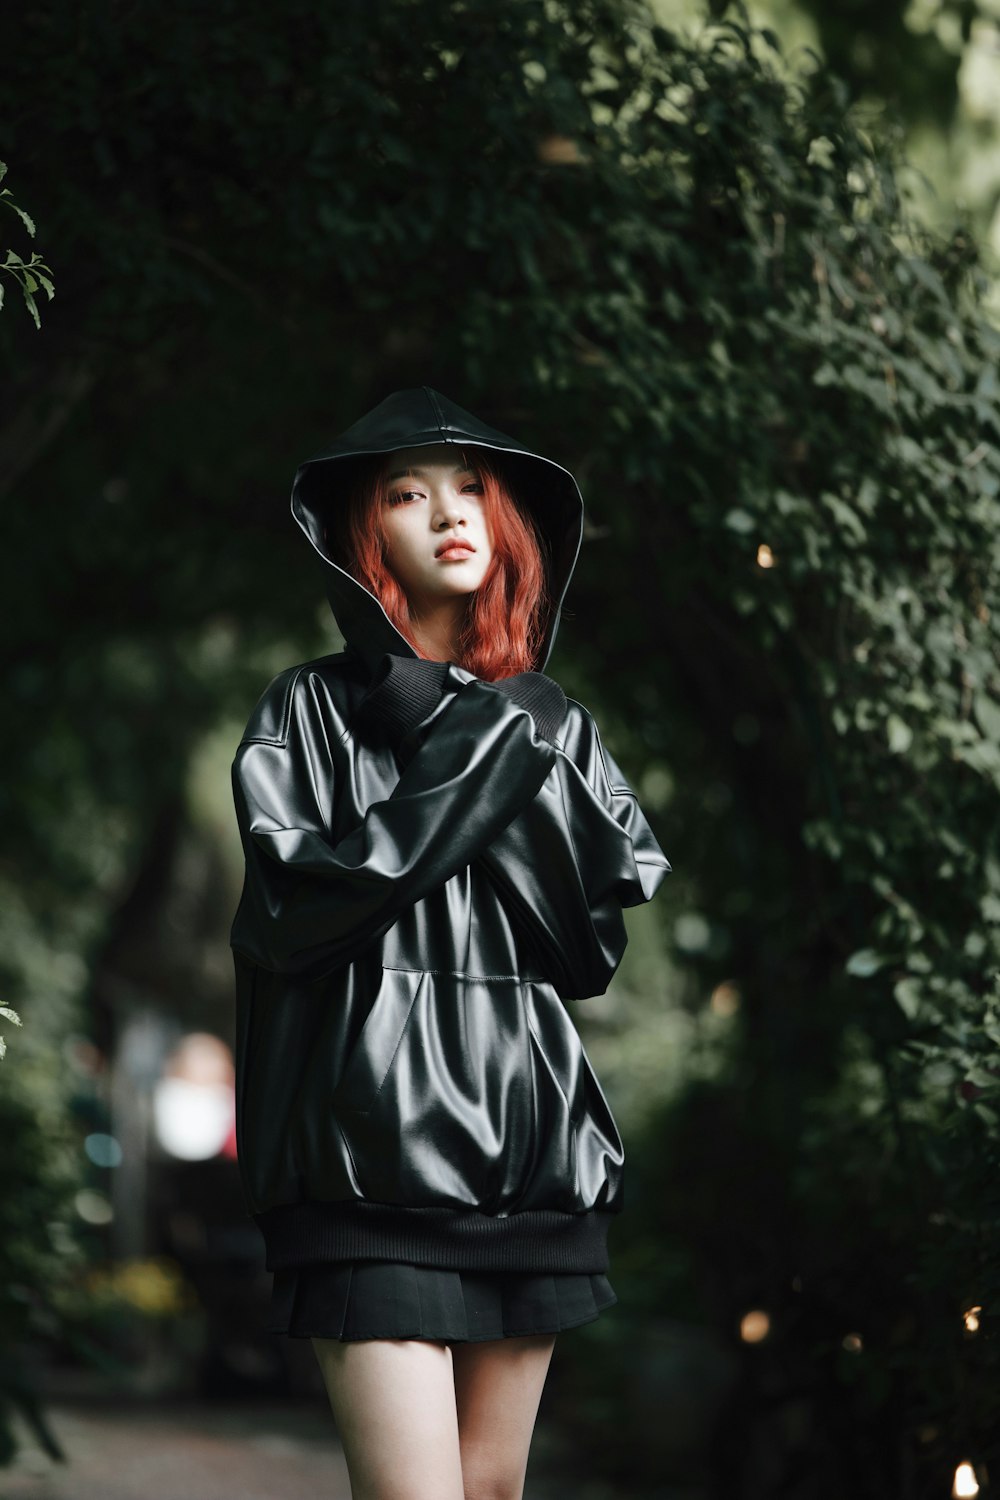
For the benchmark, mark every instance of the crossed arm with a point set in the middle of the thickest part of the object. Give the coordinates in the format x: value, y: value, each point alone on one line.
x: 564, y: 847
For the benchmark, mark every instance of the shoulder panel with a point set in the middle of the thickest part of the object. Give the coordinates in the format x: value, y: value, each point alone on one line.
x: 580, y: 739
x: 269, y: 720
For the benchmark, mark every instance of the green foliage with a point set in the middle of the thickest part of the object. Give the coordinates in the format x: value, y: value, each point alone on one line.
x: 37, y: 1178
x: 8, y: 1015
x: 30, y: 274
x: 899, y: 52
x: 682, y: 268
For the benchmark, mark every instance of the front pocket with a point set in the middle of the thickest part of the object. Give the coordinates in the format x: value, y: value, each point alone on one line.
x: 436, y: 1104
x: 371, y: 1057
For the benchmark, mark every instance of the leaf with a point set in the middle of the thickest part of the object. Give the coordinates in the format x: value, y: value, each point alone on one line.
x: 907, y: 996
x: 25, y: 218
x: 740, y: 520
x: 900, y: 734
x: 820, y: 151
x: 988, y: 714
x: 928, y: 277
x: 844, y: 515
x: 11, y: 1015
x: 864, y: 963
x: 30, y: 303
x: 982, y: 757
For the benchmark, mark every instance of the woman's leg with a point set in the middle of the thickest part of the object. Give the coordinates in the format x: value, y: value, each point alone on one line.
x: 498, y: 1385
x: 393, y: 1402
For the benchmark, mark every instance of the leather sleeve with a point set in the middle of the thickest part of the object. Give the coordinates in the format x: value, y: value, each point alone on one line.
x: 311, y: 903
x: 571, y: 860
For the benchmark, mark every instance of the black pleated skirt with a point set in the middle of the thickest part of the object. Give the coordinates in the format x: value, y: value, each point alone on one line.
x: 385, y: 1299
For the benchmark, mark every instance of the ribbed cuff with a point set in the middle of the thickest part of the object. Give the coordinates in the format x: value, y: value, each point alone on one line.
x: 541, y: 1240
x: 541, y: 696
x: 404, y: 691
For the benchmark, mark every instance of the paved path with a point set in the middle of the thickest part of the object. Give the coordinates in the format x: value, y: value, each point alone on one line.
x: 189, y: 1451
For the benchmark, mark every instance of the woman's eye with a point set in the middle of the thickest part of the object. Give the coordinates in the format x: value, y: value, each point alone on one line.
x: 399, y: 495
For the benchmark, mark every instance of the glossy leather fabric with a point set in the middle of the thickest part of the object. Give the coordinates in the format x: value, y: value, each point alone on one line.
x: 408, y: 934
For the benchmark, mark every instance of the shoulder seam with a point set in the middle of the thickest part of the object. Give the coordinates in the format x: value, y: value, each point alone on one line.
x: 286, y: 713
x: 616, y: 791
x: 291, y: 676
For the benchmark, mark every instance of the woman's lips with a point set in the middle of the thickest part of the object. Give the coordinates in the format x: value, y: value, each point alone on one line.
x: 453, y: 554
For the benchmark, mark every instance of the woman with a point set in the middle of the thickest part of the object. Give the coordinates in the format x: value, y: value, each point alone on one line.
x: 438, y: 850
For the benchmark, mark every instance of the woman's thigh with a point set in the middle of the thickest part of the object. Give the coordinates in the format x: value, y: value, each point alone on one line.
x: 393, y: 1401
x: 498, y: 1385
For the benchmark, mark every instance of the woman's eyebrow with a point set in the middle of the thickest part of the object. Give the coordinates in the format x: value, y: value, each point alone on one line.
x: 422, y: 473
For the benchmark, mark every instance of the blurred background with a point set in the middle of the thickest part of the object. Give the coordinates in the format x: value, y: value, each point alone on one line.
x: 736, y: 267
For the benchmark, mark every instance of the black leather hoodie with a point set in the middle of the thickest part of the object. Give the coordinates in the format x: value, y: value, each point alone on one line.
x: 410, y: 1084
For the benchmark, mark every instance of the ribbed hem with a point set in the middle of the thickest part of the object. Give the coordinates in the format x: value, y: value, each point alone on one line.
x: 409, y: 689
x: 298, y: 1234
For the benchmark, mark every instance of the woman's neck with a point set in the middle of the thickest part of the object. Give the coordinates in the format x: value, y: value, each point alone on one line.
x: 437, y: 628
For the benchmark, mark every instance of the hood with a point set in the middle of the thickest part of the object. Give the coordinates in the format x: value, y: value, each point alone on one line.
x: 415, y: 418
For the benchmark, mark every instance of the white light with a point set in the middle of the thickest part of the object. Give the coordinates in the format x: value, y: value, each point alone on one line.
x: 965, y: 1481
x: 192, y: 1120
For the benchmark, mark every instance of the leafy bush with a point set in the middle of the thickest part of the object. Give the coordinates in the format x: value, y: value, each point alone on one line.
x: 29, y: 275
x: 38, y: 1175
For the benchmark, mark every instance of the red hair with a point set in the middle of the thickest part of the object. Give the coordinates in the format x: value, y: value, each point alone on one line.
x: 506, y: 615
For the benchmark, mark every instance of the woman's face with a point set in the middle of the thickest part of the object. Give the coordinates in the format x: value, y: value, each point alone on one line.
x: 434, y: 501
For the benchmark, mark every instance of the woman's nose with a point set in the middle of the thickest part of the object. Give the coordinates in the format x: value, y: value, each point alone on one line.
x: 449, y: 510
